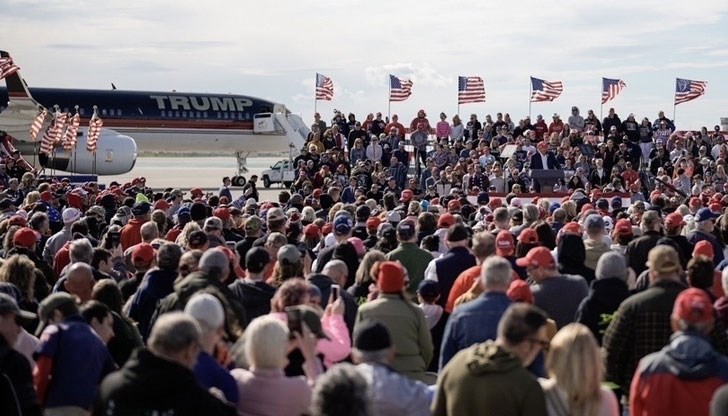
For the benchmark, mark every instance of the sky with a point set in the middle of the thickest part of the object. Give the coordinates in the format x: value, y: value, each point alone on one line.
x: 273, y: 50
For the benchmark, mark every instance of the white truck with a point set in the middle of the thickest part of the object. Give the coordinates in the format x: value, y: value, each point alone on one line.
x: 280, y: 172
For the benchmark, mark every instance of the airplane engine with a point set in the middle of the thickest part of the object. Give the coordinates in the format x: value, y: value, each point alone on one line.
x: 115, y: 155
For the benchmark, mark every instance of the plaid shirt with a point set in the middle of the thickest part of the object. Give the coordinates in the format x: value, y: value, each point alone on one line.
x: 641, y: 326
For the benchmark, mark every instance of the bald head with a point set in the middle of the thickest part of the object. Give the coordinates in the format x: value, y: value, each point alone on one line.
x: 337, y: 271
x: 80, y: 281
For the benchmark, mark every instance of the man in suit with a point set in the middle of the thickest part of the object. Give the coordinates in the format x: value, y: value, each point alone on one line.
x: 543, y: 159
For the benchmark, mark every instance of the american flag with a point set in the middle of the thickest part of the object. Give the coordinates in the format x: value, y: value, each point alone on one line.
x: 94, y: 132
x: 7, y: 67
x: 611, y: 88
x: 37, y: 124
x: 399, y: 89
x: 69, y: 139
x: 545, y: 90
x: 53, y: 132
x: 471, y: 90
x: 686, y: 90
x: 324, y: 88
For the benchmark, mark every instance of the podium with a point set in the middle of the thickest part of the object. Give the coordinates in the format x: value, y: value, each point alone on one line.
x: 545, y: 179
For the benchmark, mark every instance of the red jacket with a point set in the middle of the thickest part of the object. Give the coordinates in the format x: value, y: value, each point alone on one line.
x: 131, y: 234
x: 678, y: 380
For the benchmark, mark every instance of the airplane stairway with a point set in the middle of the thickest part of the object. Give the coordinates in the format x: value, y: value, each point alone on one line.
x: 295, y: 129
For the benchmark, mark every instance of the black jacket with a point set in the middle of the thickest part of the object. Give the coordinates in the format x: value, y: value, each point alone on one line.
x: 597, y: 308
x: 197, y: 282
x: 17, y: 394
x: 350, y: 306
x: 637, y: 250
x: 254, y: 297
x: 148, y: 384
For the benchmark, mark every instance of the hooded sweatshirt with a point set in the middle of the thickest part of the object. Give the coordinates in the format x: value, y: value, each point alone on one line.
x: 680, y: 379
x: 572, y: 256
x: 487, y: 379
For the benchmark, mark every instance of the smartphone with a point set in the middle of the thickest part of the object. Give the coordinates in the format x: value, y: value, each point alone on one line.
x: 230, y: 245
x: 294, y: 321
x: 335, y: 289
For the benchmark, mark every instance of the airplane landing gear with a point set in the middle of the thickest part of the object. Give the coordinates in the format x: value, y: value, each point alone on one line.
x: 242, y: 159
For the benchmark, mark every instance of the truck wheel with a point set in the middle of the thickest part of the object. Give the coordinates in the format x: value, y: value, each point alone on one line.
x: 287, y: 184
x: 266, y: 182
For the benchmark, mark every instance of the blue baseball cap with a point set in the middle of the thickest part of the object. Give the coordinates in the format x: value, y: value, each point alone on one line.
x: 343, y: 224
x: 705, y: 214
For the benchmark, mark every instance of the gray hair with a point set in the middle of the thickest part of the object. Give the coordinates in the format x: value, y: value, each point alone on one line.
x: 149, y: 231
x: 174, y: 332
x: 496, y: 273
x: 341, y: 391
x: 168, y: 256
x: 501, y: 215
x: 650, y: 221
x: 530, y: 213
x: 81, y: 251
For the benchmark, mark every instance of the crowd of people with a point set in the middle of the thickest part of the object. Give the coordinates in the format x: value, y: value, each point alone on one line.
x: 408, y: 271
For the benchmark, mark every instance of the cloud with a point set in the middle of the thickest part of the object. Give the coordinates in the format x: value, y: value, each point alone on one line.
x: 423, y: 74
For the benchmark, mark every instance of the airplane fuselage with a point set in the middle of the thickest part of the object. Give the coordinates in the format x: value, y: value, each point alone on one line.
x: 170, y: 121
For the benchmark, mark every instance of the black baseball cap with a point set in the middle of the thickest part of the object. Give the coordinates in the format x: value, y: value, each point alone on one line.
x: 372, y: 335
x: 256, y: 259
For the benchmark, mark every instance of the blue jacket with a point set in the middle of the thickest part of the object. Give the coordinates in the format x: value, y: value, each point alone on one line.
x: 472, y: 323
x: 156, y: 285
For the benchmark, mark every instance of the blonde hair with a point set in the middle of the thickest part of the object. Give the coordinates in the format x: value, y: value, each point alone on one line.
x: 266, y: 343
x: 362, y: 275
x: 184, y: 236
x: 20, y: 271
x: 574, y: 362
x: 31, y: 198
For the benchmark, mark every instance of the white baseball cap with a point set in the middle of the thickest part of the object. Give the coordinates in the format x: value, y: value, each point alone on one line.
x: 206, y: 309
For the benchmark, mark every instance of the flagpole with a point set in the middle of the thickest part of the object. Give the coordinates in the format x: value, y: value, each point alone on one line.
x: 674, y: 108
x: 530, y: 92
x: 601, y: 107
x: 315, y: 85
x: 389, y: 99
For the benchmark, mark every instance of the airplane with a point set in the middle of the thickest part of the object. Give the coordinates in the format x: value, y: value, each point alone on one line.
x: 137, y: 121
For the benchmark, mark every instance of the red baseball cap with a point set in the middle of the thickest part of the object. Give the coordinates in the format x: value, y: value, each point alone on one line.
x: 446, y: 220
x: 407, y: 195
x: 623, y: 227
x: 195, y: 191
x: 495, y: 203
x: 223, y: 213
x: 693, y: 306
x: 504, y: 243
x: 316, y: 193
x: 327, y: 228
x: 520, y: 291
x: 674, y: 220
x: 311, y: 230
x: 703, y: 248
x: 695, y: 202
x: 572, y: 227
x: 161, y: 204
x: 716, y: 207
x: 391, y: 277
x: 537, y: 257
x: 528, y: 236
x: 25, y: 237
x: 143, y: 253
x: 586, y: 208
x: 454, y: 205
x: 373, y: 223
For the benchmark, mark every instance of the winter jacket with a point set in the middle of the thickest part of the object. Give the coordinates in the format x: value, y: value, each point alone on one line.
x: 148, y: 384
x: 486, y: 379
x: 446, y: 269
x: 406, y: 323
x: 680, y: 379
x: 17, y: 394
x: 472, y: 323
x: 414, y: 260
x: 155, y: 285
x: 560, y: 296
x: 594, y: 250
x: 597, y: 309
x: 323, y: 283
x: 196, y: 282
x: 253, y: 296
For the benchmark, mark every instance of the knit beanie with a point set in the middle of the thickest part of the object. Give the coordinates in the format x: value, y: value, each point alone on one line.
x: 611, y: 264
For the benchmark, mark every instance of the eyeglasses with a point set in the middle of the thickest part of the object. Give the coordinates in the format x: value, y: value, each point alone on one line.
x: 544, y: 343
